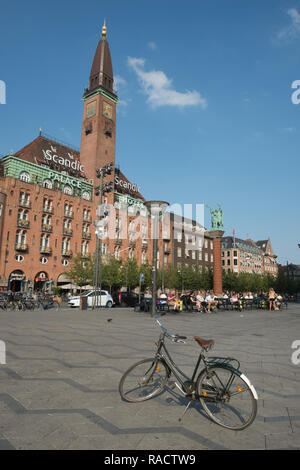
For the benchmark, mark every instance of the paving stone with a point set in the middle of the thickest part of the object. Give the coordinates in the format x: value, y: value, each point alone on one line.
x: 59, y: 388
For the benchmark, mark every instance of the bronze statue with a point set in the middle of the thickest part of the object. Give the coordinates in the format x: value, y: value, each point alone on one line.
x: 216, y: 218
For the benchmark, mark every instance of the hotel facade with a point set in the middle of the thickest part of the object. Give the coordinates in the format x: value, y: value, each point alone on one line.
x: 48, y: 205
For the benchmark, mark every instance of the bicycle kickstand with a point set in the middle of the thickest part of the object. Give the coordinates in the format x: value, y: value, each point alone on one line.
x: 185, y: 410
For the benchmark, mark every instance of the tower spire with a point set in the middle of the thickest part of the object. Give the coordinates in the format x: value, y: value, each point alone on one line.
x: 104, y: 30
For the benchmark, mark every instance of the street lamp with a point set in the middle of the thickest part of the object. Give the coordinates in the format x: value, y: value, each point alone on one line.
x: 99, y: 191
x: 155, y: 209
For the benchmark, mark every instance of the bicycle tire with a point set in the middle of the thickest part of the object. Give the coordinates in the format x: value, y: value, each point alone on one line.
x: 144, y: 380
x: 227, y: 396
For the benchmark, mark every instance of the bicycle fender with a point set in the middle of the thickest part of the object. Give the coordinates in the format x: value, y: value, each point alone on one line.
x: 249, y: 385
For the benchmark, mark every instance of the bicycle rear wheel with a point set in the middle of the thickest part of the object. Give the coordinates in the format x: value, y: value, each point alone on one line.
x: 227, y: 396
x: 143, y: 380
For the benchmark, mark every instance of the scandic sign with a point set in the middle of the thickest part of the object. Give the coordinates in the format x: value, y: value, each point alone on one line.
x: 124, y: 184
x: 75, y: 164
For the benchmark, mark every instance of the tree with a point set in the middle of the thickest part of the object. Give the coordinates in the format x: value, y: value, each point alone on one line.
x: 130, y: 274
x: 81, y: 270
x: 111, y: 273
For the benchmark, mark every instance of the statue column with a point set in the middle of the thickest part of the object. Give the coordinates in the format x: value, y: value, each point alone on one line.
x: 217, y: 235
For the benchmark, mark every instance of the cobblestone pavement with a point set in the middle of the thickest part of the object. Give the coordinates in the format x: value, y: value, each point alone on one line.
x: 59, y: 386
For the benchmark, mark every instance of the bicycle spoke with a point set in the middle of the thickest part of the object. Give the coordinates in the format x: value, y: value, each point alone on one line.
x: 227, y: 398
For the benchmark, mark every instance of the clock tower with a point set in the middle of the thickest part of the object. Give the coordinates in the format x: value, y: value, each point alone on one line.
x: 99, y: 116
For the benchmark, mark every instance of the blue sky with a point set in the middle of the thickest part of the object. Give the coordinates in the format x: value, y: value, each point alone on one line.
x: 205, y: 112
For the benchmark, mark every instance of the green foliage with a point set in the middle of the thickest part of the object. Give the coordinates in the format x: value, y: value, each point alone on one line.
x: 81, y: 270
x: 111, y: 274
x: 130, y: 274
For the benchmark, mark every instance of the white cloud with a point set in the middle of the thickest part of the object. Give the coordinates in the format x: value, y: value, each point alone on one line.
x: 158, y: 87
x: 288, y: 129
x: 119, y: 81
x: 292, y: 31
x: 152, y: 45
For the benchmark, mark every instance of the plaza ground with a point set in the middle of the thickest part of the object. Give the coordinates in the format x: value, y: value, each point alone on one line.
x: 59, y: 386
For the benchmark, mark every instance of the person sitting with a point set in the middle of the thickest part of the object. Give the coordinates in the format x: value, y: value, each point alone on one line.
x: 173, y: 301
x: 201, y: 302
x: 278, y: 301
x: 234, y: 299
x: 211, y: 302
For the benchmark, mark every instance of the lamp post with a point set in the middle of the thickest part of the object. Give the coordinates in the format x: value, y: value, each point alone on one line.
x: 155, y: 209
x: 99, y: 191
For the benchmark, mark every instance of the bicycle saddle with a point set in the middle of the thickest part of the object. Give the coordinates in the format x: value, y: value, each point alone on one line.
x: 204, y: 343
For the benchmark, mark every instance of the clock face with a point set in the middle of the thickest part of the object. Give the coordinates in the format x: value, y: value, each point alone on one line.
x: 91, y: 109
x: 107, y: 110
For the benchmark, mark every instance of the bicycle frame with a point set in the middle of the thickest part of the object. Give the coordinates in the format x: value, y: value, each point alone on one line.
x: 178, y: 373
x: 173, y: 368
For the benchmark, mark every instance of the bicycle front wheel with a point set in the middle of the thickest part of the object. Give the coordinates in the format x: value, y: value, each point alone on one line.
x: 227, y: 396
x: 143, y: 380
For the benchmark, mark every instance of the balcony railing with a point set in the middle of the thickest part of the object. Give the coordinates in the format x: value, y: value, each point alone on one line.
x: 87, y: 218
x: 67, y: 231
x: 45, y: 250
x: 23, y: 223
x: 66, y: 252
x: 86, y: 235
x: 25, y: 203
x: 21, y: 246
x: 48, y: 210
x: 118, y: 241
x: 47, y: 228
x: 69, y: 214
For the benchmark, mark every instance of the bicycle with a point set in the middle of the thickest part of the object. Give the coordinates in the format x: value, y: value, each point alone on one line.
x: 225, y: 393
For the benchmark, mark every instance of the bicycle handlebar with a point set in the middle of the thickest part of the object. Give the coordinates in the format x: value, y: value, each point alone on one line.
x: 174, y: 337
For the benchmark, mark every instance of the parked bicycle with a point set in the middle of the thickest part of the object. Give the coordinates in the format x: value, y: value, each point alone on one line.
x: 225, y: 393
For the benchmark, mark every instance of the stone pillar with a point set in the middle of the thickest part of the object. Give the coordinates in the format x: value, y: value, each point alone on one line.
x: 217, y: 235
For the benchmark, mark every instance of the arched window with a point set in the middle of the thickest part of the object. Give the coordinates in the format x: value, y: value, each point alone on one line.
x: 47, y: 183
x: 24, y: 176
x: 68, y: 189
x: 86, y: 195
x: 117, y: 252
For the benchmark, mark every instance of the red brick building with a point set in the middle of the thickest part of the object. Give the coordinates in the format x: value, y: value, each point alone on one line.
x: 48, y: 206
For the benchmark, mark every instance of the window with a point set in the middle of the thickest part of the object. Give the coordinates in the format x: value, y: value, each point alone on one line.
x: 117, y: 252
x: 1, y: 209
x: 19, y: 258
x: 24, y: 176
x: 47, y: 183
x: 179, y: 252
x: 20, y: 237
x: 235, y: 262
x: 86, y: 195
x: 68, y: 189
x: 235, y: 253
x: 85, y: 248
